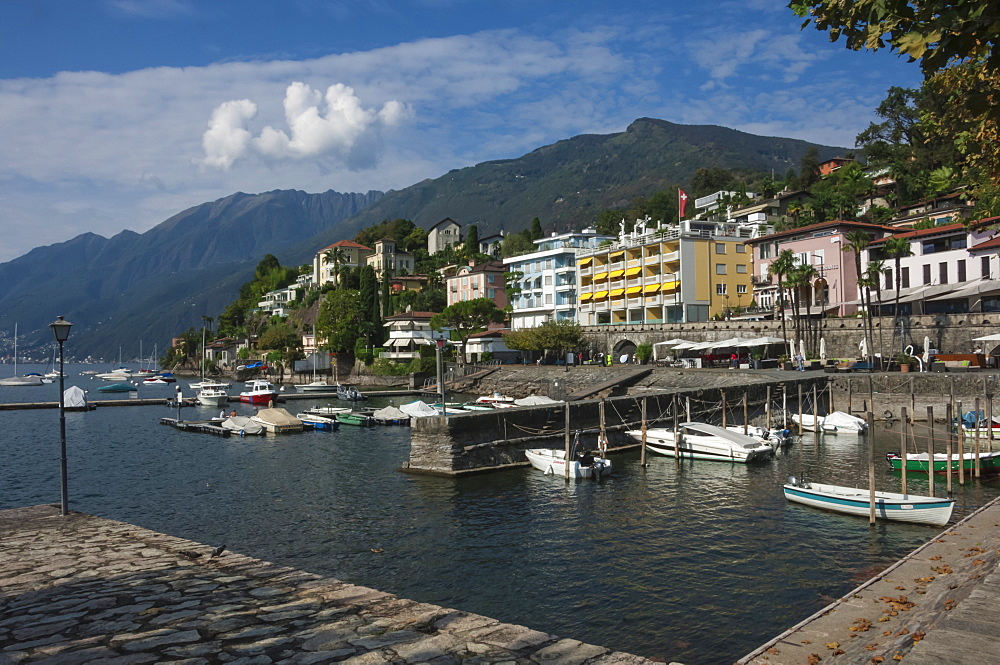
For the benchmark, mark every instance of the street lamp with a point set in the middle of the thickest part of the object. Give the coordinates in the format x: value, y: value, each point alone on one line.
x: 60, y: 328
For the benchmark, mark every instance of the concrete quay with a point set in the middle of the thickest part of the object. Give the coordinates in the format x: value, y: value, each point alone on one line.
x: 940, y: 605
x: 83, y: 589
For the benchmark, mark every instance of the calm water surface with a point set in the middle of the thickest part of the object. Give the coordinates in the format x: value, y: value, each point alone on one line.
x: 700, y: 565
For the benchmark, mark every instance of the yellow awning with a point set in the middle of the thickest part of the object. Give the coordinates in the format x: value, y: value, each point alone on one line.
x: 634, y: 289
x: 614, y: 274
x: 617, y: 292
x: 583, y: 263
x: 600, y: 294
x: 586, y: 296
x: 632, y: 271
x: 669, y: 285
x: 650, y: 288
x: 599, y: 276
x: 615, y: 254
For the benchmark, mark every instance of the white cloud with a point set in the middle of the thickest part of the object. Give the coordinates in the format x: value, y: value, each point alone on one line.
x: 226, y: 139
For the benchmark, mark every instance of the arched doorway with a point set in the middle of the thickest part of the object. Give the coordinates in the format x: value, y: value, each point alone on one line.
x: 622, y: 349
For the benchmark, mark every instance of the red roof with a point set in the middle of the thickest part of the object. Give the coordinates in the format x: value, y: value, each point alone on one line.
x: 349, y: 243
x: 410, y: 315
x: 821, y: 225
x: 945, y: 228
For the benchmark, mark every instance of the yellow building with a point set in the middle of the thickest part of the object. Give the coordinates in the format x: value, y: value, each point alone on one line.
x: 684, y: 273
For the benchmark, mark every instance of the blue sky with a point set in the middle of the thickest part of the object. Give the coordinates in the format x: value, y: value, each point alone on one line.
x: 117, y: 114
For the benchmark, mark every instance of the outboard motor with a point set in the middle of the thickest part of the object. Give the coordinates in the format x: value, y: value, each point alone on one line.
x: 793, y: 481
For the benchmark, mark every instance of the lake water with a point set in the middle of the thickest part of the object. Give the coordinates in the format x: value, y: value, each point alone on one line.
x: 699, y: 565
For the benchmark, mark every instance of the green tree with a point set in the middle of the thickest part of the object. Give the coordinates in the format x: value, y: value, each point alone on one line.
x: 471, y: 245
x: 340, y: 319
x: 536, y: 232
x: 873, y: 278
x: 857, y: 241
x: 782, y: 265
x: 468, y: 317
x: 371, y: 327
x: 937, y: 33
x: 558, y: 336
x: 514, y: 244
x: 799, y: 281
x: 897, y: 249
x: 336, y: 257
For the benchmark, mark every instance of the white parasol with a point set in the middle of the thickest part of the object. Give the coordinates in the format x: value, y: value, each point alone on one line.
x: 927, y: 351
x: 863, y: 348
x: 802, y: 348
x: 822, y: 348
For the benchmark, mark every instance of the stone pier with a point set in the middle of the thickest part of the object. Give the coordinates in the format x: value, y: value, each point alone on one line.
x: 82, y: 589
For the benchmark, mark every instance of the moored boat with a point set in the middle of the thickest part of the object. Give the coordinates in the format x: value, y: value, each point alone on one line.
x: 917, y: 462
x: 776, y: 436
x: 495, y: 398
x: 553, y: 462
x: 316, y: 387
x: 117, y: 388
x: 242, y: 425
x: 855, y: 501
x: 350, y: 393
x: 259, y: 392
x: 390, y: 415
x: 277, y: 421
x: 213, y: 394
x: 837, y: 422
x: 355, y: 419
x: 704, y: 441
x: 318, y: 422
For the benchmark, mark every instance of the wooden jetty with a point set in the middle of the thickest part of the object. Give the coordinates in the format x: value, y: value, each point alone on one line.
x: 159, y: 401
x: 206, y: 426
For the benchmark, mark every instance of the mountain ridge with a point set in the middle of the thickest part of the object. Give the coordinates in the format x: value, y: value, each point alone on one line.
x: 156, y: 284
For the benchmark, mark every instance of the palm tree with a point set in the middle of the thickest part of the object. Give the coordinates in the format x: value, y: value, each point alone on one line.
x: 857, y: 242
x: 781, y: 266
x: 897, y: 248
x: 799, y: 279
x: 873, y: 277
x: 336, y: 256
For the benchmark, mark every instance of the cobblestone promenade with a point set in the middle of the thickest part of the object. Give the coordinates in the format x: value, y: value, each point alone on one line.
x: 81, y: 589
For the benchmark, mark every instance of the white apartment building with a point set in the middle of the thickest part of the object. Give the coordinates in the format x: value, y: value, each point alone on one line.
x: 547, y: 278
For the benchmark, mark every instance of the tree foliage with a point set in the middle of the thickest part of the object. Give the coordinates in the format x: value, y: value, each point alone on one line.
x: 340, y: 319
x: 937, y: 33
x: 407, y: 236
x: 559, y: 336
x: 468, y: 317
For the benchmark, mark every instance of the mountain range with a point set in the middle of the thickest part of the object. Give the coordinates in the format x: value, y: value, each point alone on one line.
x: 151, y: 286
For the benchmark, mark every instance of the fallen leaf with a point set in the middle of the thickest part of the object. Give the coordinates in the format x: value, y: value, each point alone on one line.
x: 883, y: 619
x: 806, y: 641
x: 903, y: 632
x: 878, y: 659
x: 887, y: 633
x: 950, y: 604
x: 919, y: 635
x: 773, y: 651
x: 813, y: 659
x: 872, y: 646
x: 975, y: 562
x: 898, y: 656
x: 832, y: 645
x: 838, y: 652
x: 901, y: 588
x: 943, y: 569
x: 935, y: 558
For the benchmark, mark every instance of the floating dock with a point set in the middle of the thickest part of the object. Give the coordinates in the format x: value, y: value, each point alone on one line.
x: 205, y: 426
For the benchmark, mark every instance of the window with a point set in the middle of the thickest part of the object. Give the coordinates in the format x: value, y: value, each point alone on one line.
x: 491, y: 279
x: 720, y: 268
x: 548, y: 264
x: 720, y: 248
x: 904, y: 278
x: 741, y: 289
x: 943, y: 273
x: 741, y: 249
x: 548, y: 280
x: 548, y: 299
x: 493, y: 293
x: 765, y: 251
x: 888, y: 279
x: 465, y: 281
x: 720, y: 289
x: 985, y: 266
x: 961, y: 270
x: 741, y: 269
x: 927, y: 274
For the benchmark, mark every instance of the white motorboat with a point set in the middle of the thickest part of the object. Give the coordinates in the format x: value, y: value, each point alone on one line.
x: 317, y: 387
x: 213, y: 394
x: 704, y: 441
x: 328, y: 410
x: 419, y: 409
x: 350, y: 393
x: 259, y: 392
x: 856, y: 501
x: 837, y: 422
x: 776, y: 436
x: 242, y: 425
x: 318, y: 422
x: 495, y: 398
x: 553, y: 462
x: 277, y: 421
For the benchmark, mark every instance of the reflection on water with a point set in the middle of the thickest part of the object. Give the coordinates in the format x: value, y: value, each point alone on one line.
x: 699, y: 564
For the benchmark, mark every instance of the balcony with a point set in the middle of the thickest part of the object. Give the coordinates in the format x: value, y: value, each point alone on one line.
x: 652, y: 258
x: 672, y: 257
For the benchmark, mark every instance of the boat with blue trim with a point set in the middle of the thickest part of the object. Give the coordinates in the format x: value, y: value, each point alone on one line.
x: 856, y: 501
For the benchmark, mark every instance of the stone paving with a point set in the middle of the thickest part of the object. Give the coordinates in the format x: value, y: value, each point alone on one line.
x: 938, y: 606
x: 82, y: 589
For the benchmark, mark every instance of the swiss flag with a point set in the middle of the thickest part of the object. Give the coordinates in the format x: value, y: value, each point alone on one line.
x: 682, y: 199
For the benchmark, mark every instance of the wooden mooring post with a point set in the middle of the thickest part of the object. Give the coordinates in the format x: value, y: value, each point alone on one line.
x: 948, y: 448
x: 800, y: 408
x: 602, y: 440
x: 960, y: 442
x: 870, y: 417
x: 746, y: 415
x: 642, y: 455
x: 930, y: 449
x: 767, y: 409
x: 677, y: 457
x: 724, y: 408
x: 566, y: 441
x: 902, y: 446
x: 978, y: 424
x: 850, y: 395
x: 829, y: 392
x: 815, y: 411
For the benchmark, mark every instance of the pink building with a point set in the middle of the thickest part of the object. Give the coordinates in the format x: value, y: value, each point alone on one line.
x: 485, y: 280
x: 824, y: 246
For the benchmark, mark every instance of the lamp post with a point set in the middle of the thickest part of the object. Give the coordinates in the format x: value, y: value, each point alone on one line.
x: 60, y: 328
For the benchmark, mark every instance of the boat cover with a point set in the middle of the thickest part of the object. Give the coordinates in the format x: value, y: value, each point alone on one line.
x: 74, y: 397
x: 418, y: 409
x: 278, y: 417
x: 536, y: 400
x: 390, y: 413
